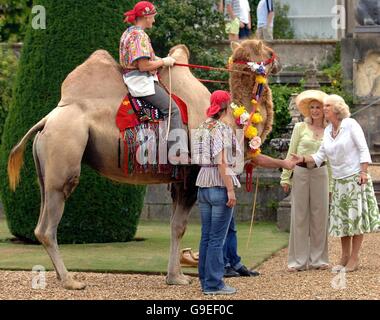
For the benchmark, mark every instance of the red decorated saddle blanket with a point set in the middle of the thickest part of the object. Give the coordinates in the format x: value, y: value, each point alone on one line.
x: 139, y: 125
x: 135, y: 111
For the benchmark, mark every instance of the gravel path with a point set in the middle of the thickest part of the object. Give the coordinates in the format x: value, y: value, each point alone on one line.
x: 274, y: 283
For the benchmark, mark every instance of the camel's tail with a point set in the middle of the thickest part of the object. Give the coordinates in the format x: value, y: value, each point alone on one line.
x: 16, y: 157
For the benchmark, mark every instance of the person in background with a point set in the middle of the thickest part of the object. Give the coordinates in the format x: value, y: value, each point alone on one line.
x: 265, y: 18
x: 353, y: 210
x: 232, y: 261
x: 245, y: 20
x: 232, y: 13
x: 308, y: 241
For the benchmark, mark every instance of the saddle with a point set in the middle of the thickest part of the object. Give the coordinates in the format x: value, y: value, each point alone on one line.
x: 138, y: 122
x: 135, y: 111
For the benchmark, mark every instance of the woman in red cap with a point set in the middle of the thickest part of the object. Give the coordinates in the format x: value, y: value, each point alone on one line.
x: 212, y: 147
x: 140, y: 64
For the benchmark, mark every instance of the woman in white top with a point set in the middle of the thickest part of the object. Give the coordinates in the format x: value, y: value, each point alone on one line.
x: 354, y: 209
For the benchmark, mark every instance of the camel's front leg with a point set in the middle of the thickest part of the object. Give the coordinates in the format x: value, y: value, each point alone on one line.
x: 183, y: 201
x: 178, y: 227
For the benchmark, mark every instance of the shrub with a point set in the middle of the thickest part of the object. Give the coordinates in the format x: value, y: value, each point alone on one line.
x: 8, y: 67
x: 99, y: 210
x: 13, y: 19
x: 281, y: 99
x: 339, y: 86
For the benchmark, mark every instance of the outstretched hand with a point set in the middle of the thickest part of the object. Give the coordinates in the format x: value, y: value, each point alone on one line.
x: 285, y: 187
x: 288, y: 164
x: 296, y: 158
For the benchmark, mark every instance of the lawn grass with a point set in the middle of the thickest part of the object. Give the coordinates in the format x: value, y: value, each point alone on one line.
x: 149, y: 253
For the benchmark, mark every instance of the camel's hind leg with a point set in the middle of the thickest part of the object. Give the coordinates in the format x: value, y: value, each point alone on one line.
x: 46, y: 232
x: 184, y: 198
x: 57, y: 180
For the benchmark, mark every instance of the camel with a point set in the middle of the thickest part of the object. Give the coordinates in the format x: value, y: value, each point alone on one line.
x: 83, y: 123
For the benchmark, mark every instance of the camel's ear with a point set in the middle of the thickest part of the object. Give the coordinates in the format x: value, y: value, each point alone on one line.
x: 260, y: 46
x: 234, y: 45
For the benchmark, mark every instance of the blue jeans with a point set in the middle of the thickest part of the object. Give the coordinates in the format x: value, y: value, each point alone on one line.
x: 231, y: 258
x: 215, y: 217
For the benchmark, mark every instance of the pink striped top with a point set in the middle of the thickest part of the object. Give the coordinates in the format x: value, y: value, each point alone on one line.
x: 208, y: 142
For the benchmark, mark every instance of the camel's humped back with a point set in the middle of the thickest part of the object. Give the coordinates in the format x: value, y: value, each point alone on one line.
x: 99, y: 77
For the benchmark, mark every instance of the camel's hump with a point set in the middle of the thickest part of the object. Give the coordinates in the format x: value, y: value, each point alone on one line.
x: 101, y: 56
x: 100, y: 76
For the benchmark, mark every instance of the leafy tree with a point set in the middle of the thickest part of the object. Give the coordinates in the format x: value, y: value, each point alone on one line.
x: 253, y: 5
x: 13, y: 19
x: 99, y: 210
x: 192, y: 22
x: 282, y: 28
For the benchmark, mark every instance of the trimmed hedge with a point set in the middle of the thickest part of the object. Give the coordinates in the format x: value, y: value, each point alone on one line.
x: 8, y: 68
x: 99, y: 210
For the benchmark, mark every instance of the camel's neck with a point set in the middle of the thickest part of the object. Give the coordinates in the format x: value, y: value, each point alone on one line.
x: 241, y: 89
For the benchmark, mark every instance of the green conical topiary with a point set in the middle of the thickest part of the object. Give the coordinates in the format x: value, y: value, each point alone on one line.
x: 99, y: 210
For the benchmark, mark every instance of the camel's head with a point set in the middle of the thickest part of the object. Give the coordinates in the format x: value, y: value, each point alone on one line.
x: 249, y: 58
x: 255, y: 51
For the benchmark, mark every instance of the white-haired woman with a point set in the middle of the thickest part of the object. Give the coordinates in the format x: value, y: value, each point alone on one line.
x: 353, y: 210
x: 308, y: 243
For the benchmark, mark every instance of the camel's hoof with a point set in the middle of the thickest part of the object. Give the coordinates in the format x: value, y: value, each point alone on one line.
x: 180, y: 280
x: 74, y: 285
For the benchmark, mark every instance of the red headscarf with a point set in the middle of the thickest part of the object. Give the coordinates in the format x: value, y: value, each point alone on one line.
x: 217, y: 98
x: 141, y: 9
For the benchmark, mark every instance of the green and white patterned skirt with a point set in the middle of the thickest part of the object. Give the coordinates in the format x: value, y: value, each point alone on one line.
x: 353, y: 210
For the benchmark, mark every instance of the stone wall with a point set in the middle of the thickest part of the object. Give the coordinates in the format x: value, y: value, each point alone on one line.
x: 300, y: 54
x: 158, y: 205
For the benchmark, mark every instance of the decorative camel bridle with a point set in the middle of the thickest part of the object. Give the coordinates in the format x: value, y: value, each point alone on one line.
x: 242, y: 117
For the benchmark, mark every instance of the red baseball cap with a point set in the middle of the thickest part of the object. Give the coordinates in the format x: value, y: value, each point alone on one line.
x: 141, y: 9
x: 217, y: 98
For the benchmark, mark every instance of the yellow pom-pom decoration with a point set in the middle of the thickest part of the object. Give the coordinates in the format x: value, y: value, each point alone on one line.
x: 253, y: 101
x: 261, y: 80
x: 257, y: 118
x: 250, y: 132
x: 230, y: 60
x: 239, y: 111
